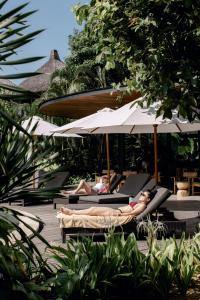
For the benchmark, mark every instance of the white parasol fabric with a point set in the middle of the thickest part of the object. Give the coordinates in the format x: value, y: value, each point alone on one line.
x: 36, y: 126
x: 78, y: 126
x: 44, y: 128
x: 132, y: 118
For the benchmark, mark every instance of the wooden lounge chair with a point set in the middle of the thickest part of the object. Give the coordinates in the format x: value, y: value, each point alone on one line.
x: 150, y: 185
x: 132, y: 186
x: 46, y: 189
x: 74, y: 198
x: 76, y: 225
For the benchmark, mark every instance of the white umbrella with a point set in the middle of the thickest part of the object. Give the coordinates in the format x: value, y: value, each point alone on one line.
x: 42, y: 127
x: 37, y: 126
x: 78, y: 127
x: 131, y: 118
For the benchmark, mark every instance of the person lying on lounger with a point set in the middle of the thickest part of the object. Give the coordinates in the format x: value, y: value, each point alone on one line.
x: 134, y: 208
x: 84, y: 188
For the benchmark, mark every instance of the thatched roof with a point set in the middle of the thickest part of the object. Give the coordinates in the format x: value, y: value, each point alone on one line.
x: 40, y: 82
x: 7, y: 82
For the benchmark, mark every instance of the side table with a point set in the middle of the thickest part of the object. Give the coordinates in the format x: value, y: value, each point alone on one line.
x: 182, y: 189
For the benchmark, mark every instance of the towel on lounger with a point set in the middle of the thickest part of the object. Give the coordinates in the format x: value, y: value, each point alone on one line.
x: 85, y: 221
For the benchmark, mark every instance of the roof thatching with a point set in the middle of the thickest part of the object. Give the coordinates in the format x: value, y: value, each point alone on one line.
x: 7, y: 82
x: 39, y: 83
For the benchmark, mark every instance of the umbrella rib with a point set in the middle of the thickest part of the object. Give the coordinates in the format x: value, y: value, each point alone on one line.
x: 178, y: 127
x: 94, y: 129
x: 132, y: 129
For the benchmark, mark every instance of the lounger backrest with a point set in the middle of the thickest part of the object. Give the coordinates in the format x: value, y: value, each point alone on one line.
x: 134, y: 184
x: 161, y: 195
x: 115, y: 182
x: 58, y: 180
x: 150, y: 185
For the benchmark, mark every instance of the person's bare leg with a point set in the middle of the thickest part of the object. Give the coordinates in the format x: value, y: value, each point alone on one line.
x: 83, y: 186
x: 67, y: 192
x: 92, y: 211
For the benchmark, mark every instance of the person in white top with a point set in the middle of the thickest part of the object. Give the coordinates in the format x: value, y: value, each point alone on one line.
x: 85, y: 188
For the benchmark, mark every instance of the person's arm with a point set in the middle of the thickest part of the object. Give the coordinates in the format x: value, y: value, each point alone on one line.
x: 135, y: 211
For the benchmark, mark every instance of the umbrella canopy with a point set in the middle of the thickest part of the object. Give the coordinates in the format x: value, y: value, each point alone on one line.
x: 37, y: 126
x: 78, y: 127
x: 131, y: 118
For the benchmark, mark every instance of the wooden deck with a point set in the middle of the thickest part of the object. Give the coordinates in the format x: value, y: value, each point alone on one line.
x: 188, y: 209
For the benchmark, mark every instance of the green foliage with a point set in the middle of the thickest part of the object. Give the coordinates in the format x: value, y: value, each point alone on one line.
x: 82, y: 71
x: 13, y: 36
x: 157, y: 41
x: 18, y: 161
x: 23, y: 271
x: 85, y: 269
x: 116, y: 269
x: 75, y: 179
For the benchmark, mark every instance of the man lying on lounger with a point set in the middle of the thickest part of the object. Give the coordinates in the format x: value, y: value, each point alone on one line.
x: 134, y: 208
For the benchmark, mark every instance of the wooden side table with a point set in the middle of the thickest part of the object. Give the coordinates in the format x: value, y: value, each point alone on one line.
x: 182, y: 189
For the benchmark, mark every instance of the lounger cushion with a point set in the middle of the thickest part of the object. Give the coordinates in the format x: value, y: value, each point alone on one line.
x: 134, y: 183
x: 85, y: 221
x: 132, y: 186
x: 113, y: 198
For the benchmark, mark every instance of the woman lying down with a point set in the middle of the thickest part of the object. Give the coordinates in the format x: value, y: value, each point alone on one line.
x: 134, y: 208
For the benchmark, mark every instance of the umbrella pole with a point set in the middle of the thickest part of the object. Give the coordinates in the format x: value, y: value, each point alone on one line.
x: 33, y: 150
x: 108, y: 159
x: 155, y: 153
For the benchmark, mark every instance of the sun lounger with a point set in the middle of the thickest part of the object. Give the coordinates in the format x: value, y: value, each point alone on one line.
x: 110, y: 200
x: 78, y: 225
x: 46, y: 189
x: 133, y: 185
x: 74, y: 198
x: 130, y: 186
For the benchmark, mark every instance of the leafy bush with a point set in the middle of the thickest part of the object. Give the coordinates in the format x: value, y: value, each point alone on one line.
x: 84, y: 269
x: 23, y: 271
x: 117, y: 269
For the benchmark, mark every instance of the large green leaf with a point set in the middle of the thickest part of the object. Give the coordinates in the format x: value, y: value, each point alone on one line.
x: 20, y: 75
x: 13, y: 36
x: 12, y: 12
x: 22, y: 61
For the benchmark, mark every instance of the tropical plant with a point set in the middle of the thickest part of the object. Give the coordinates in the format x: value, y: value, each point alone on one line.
x: 82, y: 72
x: 117, y: 269
x: 13, y: 36
x: 19, y: 161
x: 153, y: 40
x: 23, y: 270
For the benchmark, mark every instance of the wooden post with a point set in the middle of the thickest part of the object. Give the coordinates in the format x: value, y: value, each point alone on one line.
x: 108, y: 159
x: 33, y: 150
x: 198, y: 135
x: 155, y: 153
